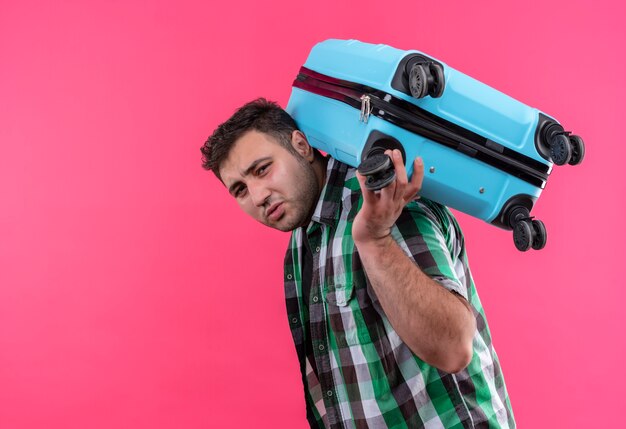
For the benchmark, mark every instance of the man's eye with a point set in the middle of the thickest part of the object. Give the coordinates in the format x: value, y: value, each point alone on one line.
x: 262, y: 169
x: 240, y: 192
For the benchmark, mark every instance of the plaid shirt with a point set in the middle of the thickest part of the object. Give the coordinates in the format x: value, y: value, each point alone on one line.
x: 356, y: 371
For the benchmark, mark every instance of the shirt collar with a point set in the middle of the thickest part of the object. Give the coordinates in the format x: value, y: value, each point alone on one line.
x: 329, y: 204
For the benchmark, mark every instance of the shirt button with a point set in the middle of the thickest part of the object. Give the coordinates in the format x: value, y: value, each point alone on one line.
x: 294, y: 320
x: 321, y: 347
x: 317, y: 249
x: 289, y: 276
x: 329, y: 393
x: 314, y: 299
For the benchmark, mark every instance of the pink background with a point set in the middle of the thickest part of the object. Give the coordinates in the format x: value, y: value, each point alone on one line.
x: 134, y: 294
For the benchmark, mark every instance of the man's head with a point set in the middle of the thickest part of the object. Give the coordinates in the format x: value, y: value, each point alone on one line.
x: 266, y: 163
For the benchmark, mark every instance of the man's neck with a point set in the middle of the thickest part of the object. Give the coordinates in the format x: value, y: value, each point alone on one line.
x: 320, y: 165
x: 319, y: 168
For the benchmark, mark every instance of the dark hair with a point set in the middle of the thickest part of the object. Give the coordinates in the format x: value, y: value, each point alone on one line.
x: 260, y: 115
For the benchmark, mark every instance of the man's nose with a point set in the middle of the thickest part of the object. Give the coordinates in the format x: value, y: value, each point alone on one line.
x: 259, y: 194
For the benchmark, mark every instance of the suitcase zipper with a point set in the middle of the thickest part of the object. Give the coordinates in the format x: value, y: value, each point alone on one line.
x: 387, y: 111
x: 366, y: 108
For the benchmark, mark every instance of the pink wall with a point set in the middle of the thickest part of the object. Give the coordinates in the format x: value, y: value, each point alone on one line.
x: 134, y: 294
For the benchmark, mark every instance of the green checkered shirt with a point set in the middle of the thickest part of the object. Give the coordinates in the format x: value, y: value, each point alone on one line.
x: 356, y: 371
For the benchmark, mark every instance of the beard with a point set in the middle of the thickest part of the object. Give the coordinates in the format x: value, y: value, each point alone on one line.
x: 303, y: 201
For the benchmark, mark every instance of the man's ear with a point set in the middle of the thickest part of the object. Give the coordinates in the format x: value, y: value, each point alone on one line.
x: 302, y: 146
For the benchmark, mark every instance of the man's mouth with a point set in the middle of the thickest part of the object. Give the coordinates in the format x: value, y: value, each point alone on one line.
x: 275, y: 211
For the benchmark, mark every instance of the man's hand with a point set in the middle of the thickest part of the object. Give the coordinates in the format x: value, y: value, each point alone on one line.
x: 382, y: 208
x: 436, y: 324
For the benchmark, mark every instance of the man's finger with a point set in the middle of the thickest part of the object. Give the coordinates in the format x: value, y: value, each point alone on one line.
x: 416, y: 180
x: 388, y: 193
x: 368, y: 196
x: 398, y: 164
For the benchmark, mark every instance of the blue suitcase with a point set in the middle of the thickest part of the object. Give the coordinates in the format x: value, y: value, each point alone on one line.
x: 484, y: 153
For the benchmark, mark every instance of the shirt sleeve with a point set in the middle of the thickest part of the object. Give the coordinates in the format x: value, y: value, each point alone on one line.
x: 426, y: 233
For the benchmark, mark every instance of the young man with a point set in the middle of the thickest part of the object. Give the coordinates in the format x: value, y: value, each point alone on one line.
x: 388, y: 327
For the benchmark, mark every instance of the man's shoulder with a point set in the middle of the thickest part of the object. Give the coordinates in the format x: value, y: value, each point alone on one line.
x: 425, y: 214
x: 427, y: 207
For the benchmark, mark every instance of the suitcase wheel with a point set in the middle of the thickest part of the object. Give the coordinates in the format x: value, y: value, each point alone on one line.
x: 529, y: 233
x: 439, y: 84
x: 374, y: 164
x: 418, y: 81
x: 375, y: 183
x: 426, y: 79
x: 578, y: 150
x: 379, y: 171
x: 560, y: 149
x: 541, y: 235
x: 523, y: 235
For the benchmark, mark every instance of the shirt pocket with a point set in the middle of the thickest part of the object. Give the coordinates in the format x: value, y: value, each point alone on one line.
x: 351, y: 315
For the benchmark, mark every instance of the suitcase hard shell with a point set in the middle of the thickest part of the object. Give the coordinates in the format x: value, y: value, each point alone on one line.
x: 484, y: 153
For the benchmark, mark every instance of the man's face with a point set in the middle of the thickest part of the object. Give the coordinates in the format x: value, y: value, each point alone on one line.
x: 273, y: 185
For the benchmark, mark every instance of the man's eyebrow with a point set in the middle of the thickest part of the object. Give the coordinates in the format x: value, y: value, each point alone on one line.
x: 247, y: 172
